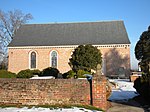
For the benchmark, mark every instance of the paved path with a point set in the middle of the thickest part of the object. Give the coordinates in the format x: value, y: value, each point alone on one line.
x: 116, y: 107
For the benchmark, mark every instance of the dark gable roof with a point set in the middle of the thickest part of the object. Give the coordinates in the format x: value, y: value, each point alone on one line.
x: 96, y: 33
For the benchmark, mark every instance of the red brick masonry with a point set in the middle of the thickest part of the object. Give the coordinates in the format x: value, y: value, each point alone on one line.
x: 114, y: 57
x: 52, y: 91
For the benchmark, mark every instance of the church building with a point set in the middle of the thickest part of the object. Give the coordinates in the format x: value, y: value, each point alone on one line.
x: 38, y: 46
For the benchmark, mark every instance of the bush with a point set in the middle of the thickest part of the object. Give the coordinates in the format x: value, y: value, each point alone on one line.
x: 7, y: 74
x: 145, y: 77
x: 36, y: 72
x: 142, y: 87
x: 28, y: 73
x: 85, y: 57
x: 50, y: 72
x: 138, y: 84
x: 80, y: 73
x: 69, y: 74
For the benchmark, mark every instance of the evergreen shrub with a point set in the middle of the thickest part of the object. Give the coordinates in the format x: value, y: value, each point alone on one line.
x: 72, y: 74
x: 50, y: 72
x: 80, y: 73
x: 142, y: 87
x: 28, y: 73
x: 69, y: 74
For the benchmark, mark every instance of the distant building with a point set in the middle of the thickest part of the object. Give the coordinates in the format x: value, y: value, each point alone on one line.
x: 37, y: 46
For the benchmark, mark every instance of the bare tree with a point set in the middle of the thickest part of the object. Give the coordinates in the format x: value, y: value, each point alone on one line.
x: 9, y: 23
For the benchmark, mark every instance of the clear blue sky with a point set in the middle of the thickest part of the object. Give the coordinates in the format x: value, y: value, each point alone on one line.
x: 134, y: 13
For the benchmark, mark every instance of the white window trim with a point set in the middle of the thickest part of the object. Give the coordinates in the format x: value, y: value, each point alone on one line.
x: 51, y: 57
x: 30, y: 60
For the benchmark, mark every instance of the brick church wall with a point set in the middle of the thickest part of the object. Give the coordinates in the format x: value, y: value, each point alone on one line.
x: 19, y: 58
x: 115, y: 56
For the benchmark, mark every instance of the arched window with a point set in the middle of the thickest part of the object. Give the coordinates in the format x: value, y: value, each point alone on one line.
x: 54, y: 59
x: 33, y: 60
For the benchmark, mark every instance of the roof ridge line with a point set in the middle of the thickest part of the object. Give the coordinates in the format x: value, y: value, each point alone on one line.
x: 101, y: 21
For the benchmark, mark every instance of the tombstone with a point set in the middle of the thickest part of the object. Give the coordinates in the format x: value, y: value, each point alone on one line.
x: 121, y: 72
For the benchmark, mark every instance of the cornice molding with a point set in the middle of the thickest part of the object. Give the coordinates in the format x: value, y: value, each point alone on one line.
x: 71, y: 46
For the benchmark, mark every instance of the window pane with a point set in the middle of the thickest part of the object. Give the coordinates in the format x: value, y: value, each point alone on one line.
x: 54, y: 59
x: 33, y: 60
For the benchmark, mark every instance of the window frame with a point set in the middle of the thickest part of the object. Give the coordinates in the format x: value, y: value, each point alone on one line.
x: 36, y: 60
x: 56, y: 58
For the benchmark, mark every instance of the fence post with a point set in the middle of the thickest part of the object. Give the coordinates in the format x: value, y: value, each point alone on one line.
x: 99, y: 91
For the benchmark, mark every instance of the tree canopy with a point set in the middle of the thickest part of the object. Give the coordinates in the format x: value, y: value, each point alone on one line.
x: 85, y: 57
x: 142, y: 50
x: 142, y: 53
x: 9, y: 23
